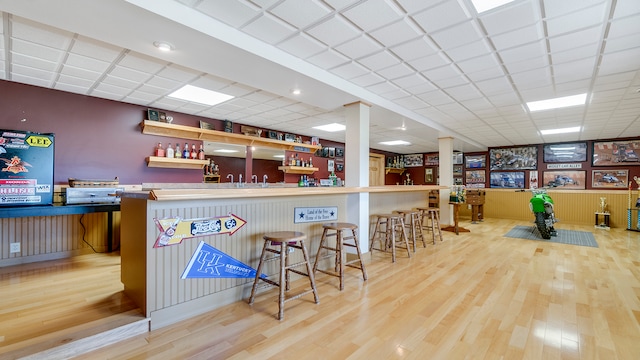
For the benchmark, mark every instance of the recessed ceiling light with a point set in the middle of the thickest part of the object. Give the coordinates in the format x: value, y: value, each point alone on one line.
x: 163, y: 46
x: 486, y: 5
x: 557, y: 103
x: 199, y: 95
x: 395, y: 142
x: 331, y: 127
x: 296, y: 91
x: 560, y: 131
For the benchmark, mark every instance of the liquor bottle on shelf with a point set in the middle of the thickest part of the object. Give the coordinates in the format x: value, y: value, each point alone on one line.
x: 159, y: 150
x: 194, y: 153
x: 185, y: 152
x: 178, y: 152
x: 310, y: 161
x: 170, y: 152
x: 201, y: 153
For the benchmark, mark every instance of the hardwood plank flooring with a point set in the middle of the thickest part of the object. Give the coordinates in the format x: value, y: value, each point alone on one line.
x: 477, y: 295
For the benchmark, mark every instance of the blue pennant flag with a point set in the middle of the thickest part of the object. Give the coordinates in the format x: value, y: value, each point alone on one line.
x: 209, y: 262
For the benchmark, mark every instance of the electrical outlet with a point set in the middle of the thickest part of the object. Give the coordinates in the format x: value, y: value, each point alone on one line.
x: 14, y: 247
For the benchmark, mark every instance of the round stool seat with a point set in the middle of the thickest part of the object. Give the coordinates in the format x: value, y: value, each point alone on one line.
x: 339, y: 226
x: 288, y: 236
x: 390, y: 216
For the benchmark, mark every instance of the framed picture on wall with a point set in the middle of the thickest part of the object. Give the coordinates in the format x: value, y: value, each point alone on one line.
x: 430, y: 175
x: 339, y: 152
x: 458, y: 158
x: 565, y: 152
x: 616, y: 179
x: 413, y: 160
x: 475, y: 178
x: 432, y: 159
x: 507, y: 179
x: 516, y: 158
x: 457, y: 170
x: 565, y: 179
x: 331, y: 165
x: 475, y: 161
x: 616, y: 153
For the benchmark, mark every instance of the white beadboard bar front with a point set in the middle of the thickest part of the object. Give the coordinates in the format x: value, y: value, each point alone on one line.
x: 152, y: 276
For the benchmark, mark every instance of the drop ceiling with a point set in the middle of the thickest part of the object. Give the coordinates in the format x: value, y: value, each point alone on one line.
x: 435, y: 66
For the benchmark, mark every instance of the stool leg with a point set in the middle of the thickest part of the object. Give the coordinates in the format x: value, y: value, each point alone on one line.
x: 433, y: 226
x: 413, y: 231
x: 258, y: 272
x: 284, y: 278
x: 403, y: 233
x: 393, y: 238
x: 355, y: 239
x: 312, y: 279
x: 373, y: 236
x: 438, y: 222
x: 419, y: 229
x: 323, y: 241
x: 339, y: 259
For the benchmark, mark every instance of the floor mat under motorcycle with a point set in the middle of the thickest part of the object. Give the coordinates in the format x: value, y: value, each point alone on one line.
x: 571, y: 237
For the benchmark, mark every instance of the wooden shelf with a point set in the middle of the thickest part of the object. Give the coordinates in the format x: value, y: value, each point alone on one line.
x: 175, y: 163
x: 394, y: 170
x: 193, y: 133
x: 298, y: 170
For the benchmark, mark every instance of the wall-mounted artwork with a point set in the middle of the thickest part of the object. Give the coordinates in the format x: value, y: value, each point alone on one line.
x: 507, y: 180
x: 568, y: 179
x: 616, y: 153
x: 458, y: 158
x: 517, y: 158
x: 475, y: 161
x: 566, y: 152
x: 339, y: 152
x: 413, y: 160
x: 617, y: 179
x: 457, y: 170
x: 430, y: 175
x: 432, y: 159
x: 475, y: 178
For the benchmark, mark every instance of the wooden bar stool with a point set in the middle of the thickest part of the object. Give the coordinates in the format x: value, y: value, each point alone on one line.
x: 413, y: 221
x: 432, y: 215
x: 285, y: 240
x: 341, y: 242
x: 388, y: 226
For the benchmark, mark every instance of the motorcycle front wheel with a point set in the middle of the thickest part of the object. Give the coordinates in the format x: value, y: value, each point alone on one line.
x: 542, y: 226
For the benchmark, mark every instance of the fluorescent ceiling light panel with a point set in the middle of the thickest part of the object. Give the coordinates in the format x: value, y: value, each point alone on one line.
x: 560, y: 131
x: 557, y: 103
x: 225, y: 151
x: 486, y: 5
x: 395, y: 142
x: 331, y: 127
x: 199, y: 95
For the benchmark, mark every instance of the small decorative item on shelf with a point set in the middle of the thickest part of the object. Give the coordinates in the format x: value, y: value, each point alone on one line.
x: 457, y: 194
x: 603, y: 205
x: 153, y: 115
x: 228, y: 126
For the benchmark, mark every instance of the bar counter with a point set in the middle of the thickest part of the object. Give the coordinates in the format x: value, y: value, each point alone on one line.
x: 152, y: 276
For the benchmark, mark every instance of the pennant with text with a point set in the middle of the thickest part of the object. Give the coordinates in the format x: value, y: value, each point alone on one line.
x: 209, y: 262
x: 174, y: 230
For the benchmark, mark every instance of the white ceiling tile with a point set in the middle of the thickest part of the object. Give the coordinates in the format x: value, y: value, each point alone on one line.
x: 125, y: 73
x: 367, y: 79
x: 528, y: 64
x: 396, y: 33
x: 421, y: 88
x: 443, y: 72
x: 334, y: 31
x: 179, y: 73
x: 574, y: 87
x: 87, y: 63
x: 36, y: 50
x: 74, y: 81
x: 409, y: 81
x: 350, y: 70
x: 373, y: 14
x: 517, y: 37
x: 485, y: 74
x: 150, y: 89
x: 441, y: 16
x: 269, y: 29
x: 111, y: 96
x: 457, y: 35
x: 494, y: 86
x: 624, y: 27
x: 302, y: 46
x: 95, y: 49
x: 622, y: 43
x: 73, y: 88
x: 163, y: 83
x: 300, y: 14
x: 411, y: 102
x: 575, y: 39
x: 233, y: 89
x: 234, y: 13
x: 34, y: 62
x: 415, y: 49
x: 359, y: 47
x: 575, y: 54
x: 142, y: 62
x: 378, y: 61
x: 120, y: 82
x: 574, y: 70
x: 520, y: 53
x: 328, y: 59
x: 510, y: 17
x: 430, y: 62
x: 31, y: 31
x: 532, y: 79
x: 621, y: 61
x: 140, y: 96
x: 625, y: 8
x: 435, y: 98
x: 395, y: 71
x: 478, y: 63
x: 576, y: 20
x: 112, y: 89
x: 80, y: 73
x: 450, y: 82
x: 464, y: 92
x: 468, y: 51
x: 555, y: 8
x: 412, y: 6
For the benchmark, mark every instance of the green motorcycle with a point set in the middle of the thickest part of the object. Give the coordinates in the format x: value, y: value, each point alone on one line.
x: 541, y: 206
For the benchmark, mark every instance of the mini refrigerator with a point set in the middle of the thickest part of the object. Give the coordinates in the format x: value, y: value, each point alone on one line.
x: 26, y: 168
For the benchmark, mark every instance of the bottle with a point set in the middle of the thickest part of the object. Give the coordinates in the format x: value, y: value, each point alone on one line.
x: 292, y: 160
x: 201, y: 153
x: 301, y: 181
x: 159, y: 150
x: 178, y: 152
x: 194, y: 153
x: 170, y: 152
x: 297, y: 161
x: 185, y: 151
x: 310, y: 161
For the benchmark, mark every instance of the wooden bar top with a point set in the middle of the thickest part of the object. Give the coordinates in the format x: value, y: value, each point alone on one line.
x: 253, y: 192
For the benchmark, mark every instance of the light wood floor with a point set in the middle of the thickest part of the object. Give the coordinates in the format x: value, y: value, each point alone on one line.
x: 478, y: 295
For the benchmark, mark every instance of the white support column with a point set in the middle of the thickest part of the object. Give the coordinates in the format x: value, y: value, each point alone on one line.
x: 445, y: 172
x: 357, y: 168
